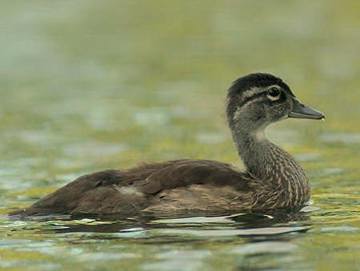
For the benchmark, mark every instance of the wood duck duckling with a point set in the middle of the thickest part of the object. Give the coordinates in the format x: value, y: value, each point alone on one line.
x: 273, y: 180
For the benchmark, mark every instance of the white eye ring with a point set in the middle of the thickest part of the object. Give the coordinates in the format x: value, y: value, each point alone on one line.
x: 274, y: 93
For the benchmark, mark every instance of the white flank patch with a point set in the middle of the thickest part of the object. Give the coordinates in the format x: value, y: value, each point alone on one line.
x: 128, y: 190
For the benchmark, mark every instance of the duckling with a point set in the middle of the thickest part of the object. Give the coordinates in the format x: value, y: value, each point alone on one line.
x: 273, y: 180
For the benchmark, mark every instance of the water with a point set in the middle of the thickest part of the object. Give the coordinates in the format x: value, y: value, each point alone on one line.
x: 89, y: 85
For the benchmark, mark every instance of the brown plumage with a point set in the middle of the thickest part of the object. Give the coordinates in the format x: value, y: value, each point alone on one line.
x: 273, y: 179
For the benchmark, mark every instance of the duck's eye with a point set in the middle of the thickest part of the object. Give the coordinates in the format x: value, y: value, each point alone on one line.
x: 274, y: 93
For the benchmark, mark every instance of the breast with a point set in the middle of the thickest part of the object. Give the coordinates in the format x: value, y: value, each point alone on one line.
x: 285, y: 189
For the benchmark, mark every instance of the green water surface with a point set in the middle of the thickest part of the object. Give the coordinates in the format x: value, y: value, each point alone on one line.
x: 87, y: 85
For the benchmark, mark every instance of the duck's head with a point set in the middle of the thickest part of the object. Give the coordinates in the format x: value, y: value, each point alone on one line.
x: 259, y: 99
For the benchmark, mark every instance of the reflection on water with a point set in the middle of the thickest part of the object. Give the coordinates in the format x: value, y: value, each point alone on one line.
x: 89, y: 85
x: 242, y: 235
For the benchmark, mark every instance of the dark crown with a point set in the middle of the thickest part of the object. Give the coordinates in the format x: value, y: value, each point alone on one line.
x: 256, y: 80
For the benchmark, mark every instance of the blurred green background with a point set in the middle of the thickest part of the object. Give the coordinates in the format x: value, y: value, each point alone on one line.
x: 88, y: 85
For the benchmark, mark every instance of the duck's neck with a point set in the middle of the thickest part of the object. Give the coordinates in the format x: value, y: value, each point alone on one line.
x: 258, y: 153
x: 269, y: 163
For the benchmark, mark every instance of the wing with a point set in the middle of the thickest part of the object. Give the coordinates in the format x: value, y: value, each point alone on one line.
x: 182, y: 173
